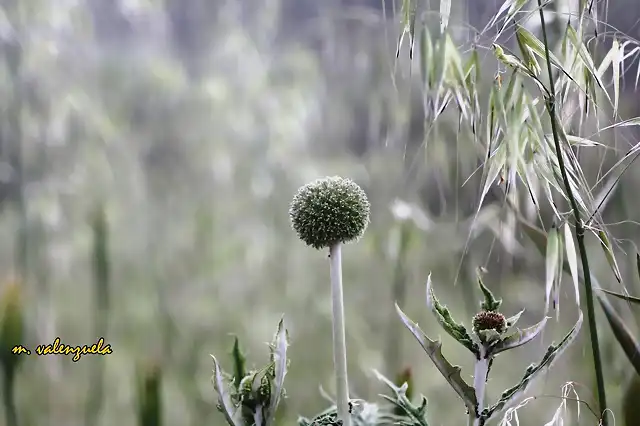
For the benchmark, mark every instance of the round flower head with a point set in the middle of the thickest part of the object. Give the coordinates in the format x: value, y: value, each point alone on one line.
x: 328, y: 211
x: 487, y: 320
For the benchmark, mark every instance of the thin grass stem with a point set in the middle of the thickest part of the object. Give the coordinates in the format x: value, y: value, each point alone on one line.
x: 580, y: 230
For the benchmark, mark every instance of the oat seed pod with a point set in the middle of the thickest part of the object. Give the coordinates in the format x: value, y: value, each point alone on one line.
x: 328, y: 211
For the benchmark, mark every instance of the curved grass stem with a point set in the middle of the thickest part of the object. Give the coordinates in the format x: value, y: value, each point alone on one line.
x: 580, y: 230
x: 339, y: 339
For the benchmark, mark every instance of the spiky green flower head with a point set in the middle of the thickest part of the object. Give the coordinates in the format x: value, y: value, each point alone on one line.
x: 488, y: 320
x: 328, y: 211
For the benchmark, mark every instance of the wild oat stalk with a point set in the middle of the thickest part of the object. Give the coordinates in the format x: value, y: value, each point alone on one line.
x: 580, y: 230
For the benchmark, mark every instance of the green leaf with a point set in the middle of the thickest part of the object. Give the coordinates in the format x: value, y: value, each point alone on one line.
x: 490, y: 303
x: 572, y: 260
x: 239, y: 362
x: 451, y: 373
x: 621, y: 332
x: 608, y: 252
x: 446, y: 321
x: 622, y: 296
x: 510, y: 395
x: 518, y: 338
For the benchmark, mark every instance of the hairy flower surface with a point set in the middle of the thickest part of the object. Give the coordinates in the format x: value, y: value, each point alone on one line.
x: 487, y: 320
x: 328, y: 211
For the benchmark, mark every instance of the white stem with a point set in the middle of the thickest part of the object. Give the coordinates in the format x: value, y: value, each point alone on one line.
x: 480, y: 382
x: 339, y: 340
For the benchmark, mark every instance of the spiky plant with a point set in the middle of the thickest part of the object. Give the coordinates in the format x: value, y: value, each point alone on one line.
x: 327, y: 213
x: 252, y: 398
x: 492, y: 334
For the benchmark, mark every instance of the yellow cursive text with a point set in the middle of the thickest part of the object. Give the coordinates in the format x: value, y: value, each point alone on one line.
x: 57, y: 348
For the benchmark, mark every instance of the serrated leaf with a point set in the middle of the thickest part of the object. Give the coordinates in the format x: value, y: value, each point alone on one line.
x: 621, y: 332
x: 551, y: 265
x: 490, y: 302
x: 513, y: 320
x: 572, y: 260
x: 518, y: 338
x: 622, y: 296
x: 451, y: 373
x: 608, y: 252
x: 279, y: 358
x: 509, y: 396
x: 228, y: 410
x: 415, y: 413
x: 446, y: 321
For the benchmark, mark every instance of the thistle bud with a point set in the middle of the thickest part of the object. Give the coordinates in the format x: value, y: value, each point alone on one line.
x: 328, y: 211
x: 487, y: 320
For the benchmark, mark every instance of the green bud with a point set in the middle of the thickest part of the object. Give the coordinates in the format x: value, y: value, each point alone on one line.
x: 328, y: 211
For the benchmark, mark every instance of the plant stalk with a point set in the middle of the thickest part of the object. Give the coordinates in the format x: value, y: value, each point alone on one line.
x: 480, y: 372
x: 339, y: 339
x: 580, y: 231
x: 8, y: 383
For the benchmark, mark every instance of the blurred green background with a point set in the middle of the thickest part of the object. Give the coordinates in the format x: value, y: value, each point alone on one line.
x: 193, y: 122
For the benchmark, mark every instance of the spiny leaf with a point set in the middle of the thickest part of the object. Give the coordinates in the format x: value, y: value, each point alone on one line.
x: 512, y: 321
x: 517, y: 338
x: 490, y: 303
x: 224, y: 400
x: 621, y: 332
x: 510, y: 395
x: 446, y: 321
x: 412, y: 415
x: 279, y: 358
x: 551, y: 265
x: 622, y: 296
x: 572, y: 260
x: 608, y: 252
x: 451, y: 373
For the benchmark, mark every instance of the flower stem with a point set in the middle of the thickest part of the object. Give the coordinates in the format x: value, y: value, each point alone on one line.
x: 580, y: 230
x: 339, y: 340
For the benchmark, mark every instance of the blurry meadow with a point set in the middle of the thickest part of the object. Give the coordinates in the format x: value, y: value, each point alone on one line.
x: 178, y: 131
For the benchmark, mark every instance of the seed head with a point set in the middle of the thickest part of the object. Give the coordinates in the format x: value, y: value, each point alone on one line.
x: 487, y: 320
x: 328, y: 211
